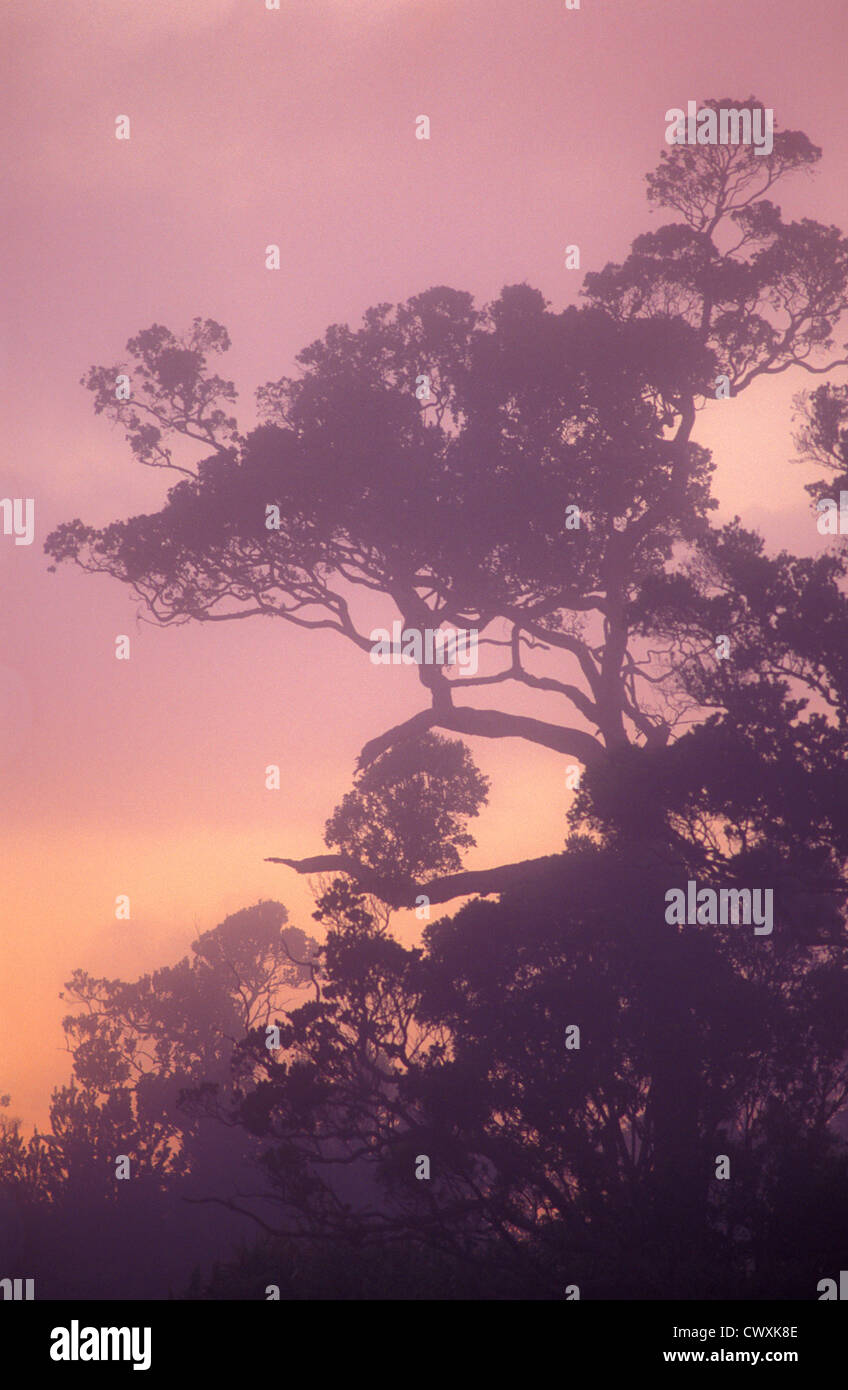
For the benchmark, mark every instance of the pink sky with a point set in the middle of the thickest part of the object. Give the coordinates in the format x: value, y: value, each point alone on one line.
x: 296, y: 127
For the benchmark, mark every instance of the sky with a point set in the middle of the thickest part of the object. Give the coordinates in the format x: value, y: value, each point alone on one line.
x: 296, y: 126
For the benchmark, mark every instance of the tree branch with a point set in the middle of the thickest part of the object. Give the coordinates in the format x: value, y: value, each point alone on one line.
x: 400, y: 894
x: 487, y: 723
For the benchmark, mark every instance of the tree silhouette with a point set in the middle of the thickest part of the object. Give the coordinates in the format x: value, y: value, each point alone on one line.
x: 405, y: 819
x: 546, y: 490
x: 555, y: 1156
x: 139, y: 1047
x: 453, y: 507
x: 823, y: 437
x: 152, y: 1079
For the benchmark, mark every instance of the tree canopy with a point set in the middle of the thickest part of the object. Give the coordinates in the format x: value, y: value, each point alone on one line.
x: 358, y: 494
x: 451, y: 507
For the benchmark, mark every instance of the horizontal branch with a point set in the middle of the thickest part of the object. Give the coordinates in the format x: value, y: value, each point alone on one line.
x: 400, y: 894
x: 488, y: 723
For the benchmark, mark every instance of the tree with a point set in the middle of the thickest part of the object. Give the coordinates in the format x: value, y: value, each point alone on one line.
x: 353, y: 492
x: 139, y: 1049
x: 453, y: 508
x: 405, y: 819
x: 823, y: 437
x: 152, y: 1079
x: 557, y: 1155
x: 146, y: 1053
